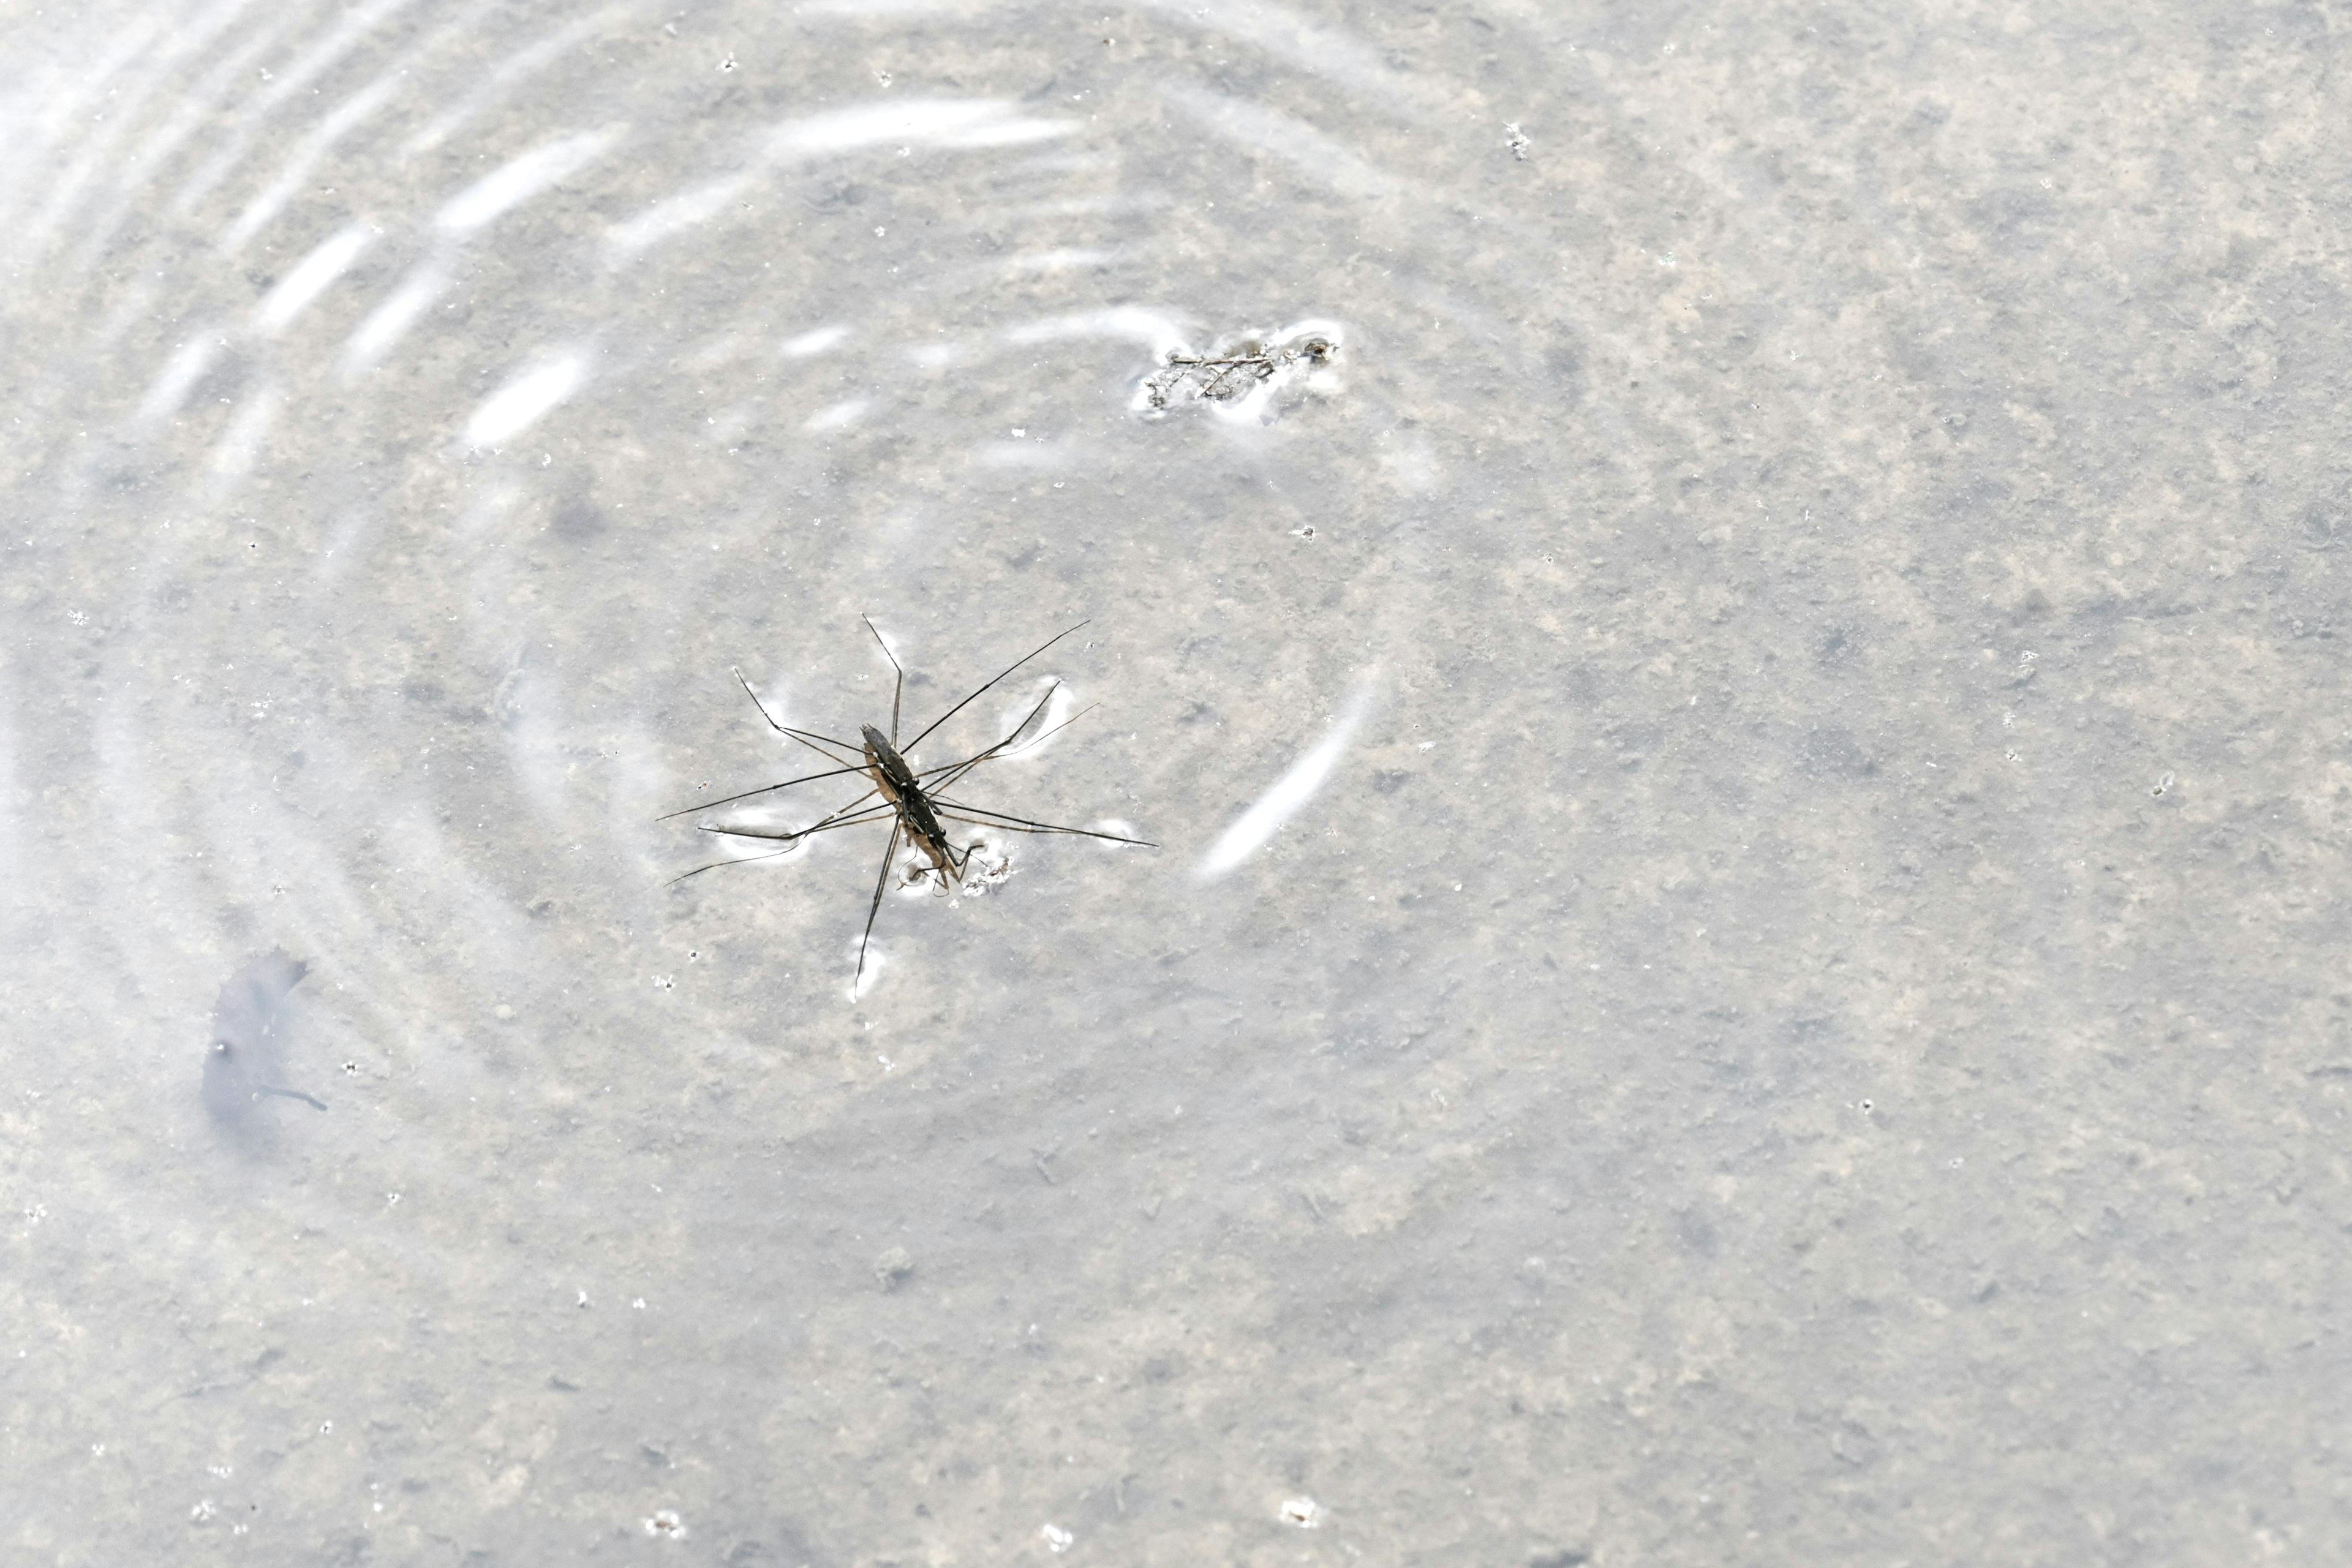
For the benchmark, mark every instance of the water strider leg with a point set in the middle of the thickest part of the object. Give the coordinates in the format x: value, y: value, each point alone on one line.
x: 999, y: 675
x: 956, y: 770
x: 981, y: 817
x: 791, y: 841
x: 849, y: 815
x: 881, y: 880
x: 897, y: 691
x: 805, y: 737
x: 764, y: 789
x: 737, y: 860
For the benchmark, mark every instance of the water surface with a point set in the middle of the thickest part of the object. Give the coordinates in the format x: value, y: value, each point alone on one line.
x: 1745, y: 960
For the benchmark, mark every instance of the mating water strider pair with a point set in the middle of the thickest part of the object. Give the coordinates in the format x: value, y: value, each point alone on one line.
x: 914, y: 801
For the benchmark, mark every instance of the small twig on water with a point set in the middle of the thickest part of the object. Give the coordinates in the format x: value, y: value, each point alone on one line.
x: 1233, y: 373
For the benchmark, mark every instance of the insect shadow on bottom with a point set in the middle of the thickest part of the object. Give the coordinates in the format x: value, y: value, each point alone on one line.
x: 246, y: 1063
x: 913, y: 800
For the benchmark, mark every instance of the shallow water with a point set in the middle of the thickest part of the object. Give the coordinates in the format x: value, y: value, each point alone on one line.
x: 1744, y: 963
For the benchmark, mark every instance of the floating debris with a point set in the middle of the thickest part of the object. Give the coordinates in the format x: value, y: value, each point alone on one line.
x: 1516, y: 141
x: 1242, y: 374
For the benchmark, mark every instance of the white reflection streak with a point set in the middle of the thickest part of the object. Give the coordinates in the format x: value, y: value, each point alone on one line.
x: 286, y: 82
x: 180, y: 376
x: 1008, y: 133
x: 327, y: 261
x: 1132, y: 323
x: 295, y: 173
x: 519, y: 178
x: 911, y: 120
x: 242, y: 441
x: 355, y: 25
x: 526, y: 398
x: 1067, y: 258
x: 1334, y: 54
x: 679, y: 212
x: 1292, y: 790
x: 836, y: 415
x: 907, y: 124
x: 1020, y: 455
x: 47, y: 115
x: 873, y: 961
x: 1322, y: 158
x: 390, y: 321
x: 815, y: 342
x: 193, y: 106
x: 15, y: 876
x: 509, y: 71
x: 1282, y: 32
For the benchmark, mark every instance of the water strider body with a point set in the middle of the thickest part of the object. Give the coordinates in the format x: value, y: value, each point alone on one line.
x: 904, y: 791
x: 914, y: 800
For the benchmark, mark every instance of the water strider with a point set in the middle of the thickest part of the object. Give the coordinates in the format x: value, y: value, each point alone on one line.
x: 914, y: 800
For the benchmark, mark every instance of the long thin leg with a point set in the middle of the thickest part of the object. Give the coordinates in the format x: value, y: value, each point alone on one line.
x: 881, y: 881
x: 737, y: 860
x: 789, y: 840
x: 956, y: 770
x: 981, y: 817
x: 897, y: 691
x: 1008, y: 669
x: 823, y: 824
x: 805, y: 737
x: 764, y: 789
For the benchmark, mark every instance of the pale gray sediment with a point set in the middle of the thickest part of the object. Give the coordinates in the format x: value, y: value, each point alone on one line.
x: 1746, y: 960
